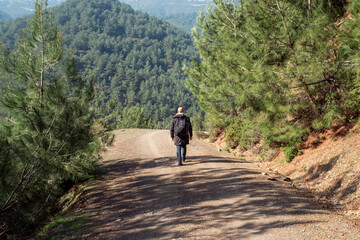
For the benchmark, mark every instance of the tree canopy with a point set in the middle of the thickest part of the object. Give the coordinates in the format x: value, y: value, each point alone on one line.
x: 275, y: 70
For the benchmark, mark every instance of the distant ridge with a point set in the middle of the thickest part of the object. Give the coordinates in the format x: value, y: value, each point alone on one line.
x: 4, y: 16
x: 16, y: 8
x: 166, y: 8
x: 181, y: 13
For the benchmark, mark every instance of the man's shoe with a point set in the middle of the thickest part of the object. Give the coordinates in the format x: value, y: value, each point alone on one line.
x: 183, y: 158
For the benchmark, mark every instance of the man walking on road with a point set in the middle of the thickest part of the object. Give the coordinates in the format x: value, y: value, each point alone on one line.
x: 181, y: 132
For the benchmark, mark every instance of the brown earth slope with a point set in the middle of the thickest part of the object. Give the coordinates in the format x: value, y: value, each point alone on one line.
x: 143, y: 194
x: 329, y: 167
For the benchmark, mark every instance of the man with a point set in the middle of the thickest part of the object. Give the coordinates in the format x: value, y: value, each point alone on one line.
x: 181, y: 132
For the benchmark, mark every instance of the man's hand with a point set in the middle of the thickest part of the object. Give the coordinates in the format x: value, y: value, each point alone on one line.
x: 190, y: 138
x: 172, y: 139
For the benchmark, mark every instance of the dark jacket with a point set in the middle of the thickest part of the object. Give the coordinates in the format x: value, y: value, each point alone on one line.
x: 183, y: 140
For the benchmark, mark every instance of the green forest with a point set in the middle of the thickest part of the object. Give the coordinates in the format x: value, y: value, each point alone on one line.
x: 16, y: 8
x: 180, y: 13
x: 185, y: 21
x: 4, y: 16
x: 166, y: 8
x: 136, y: 60
x: 274, y: 71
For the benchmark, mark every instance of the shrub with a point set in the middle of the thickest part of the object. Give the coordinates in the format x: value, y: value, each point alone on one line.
x: 290, y: 152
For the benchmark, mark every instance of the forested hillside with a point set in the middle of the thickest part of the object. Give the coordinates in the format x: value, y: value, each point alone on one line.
x: 273, y: 71
x: 16, y: 8
x: 164, y: 8
x: 184, y: 21
x: 4, y: 16
x: 181, y: 13
x: 135, y: 59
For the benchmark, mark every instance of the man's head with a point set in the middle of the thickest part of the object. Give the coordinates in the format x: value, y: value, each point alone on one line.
x: 180, y: 110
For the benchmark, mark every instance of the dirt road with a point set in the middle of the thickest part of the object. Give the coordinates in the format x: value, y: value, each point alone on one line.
x: 145, y: 195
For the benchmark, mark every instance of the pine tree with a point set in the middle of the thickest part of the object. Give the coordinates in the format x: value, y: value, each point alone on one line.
x: 269, y: 67
x: 46, y: 134
x: 232, y: 83
x: 350, y: 53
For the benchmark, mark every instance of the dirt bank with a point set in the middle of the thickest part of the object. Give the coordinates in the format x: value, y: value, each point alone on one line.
x: 328, y: 167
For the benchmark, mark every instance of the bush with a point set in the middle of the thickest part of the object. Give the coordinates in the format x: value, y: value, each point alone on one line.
x: 280, y: 134
x: 242, y: 134
x: 198, y: 124
x: 290, y: 152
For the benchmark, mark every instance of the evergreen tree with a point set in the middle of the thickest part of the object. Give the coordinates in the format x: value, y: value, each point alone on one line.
x: 350, y: 53
x: 46, y: 134
x: 270, y: 69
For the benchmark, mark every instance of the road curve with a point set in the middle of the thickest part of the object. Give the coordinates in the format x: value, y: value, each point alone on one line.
x: 145, y: 195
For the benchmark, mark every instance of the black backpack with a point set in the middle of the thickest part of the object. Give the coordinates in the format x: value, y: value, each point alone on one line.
x: 181, y: 128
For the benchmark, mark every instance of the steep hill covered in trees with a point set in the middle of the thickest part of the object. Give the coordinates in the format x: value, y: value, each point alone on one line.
x: 4, y: 16
x: 181, y: 13
x: 163, y: 8
x: 16, y: 8
x: 274, y: 71
x: 135, y: 59
x: 185, y: 21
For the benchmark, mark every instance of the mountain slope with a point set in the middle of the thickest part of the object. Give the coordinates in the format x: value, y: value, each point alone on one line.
x: 165, y: 8
x: 4, y: 16
x: 15, y: 8
x: 181, y: 13
x: 135, y: 59
x: 184, y: 21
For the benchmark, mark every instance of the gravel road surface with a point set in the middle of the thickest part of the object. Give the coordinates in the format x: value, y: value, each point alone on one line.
x: 143, y: 194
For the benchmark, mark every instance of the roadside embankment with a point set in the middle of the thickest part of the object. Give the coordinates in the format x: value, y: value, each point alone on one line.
x: 328, y: 167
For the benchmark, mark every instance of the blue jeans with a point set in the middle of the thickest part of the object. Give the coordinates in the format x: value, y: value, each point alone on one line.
x: 180, y: 150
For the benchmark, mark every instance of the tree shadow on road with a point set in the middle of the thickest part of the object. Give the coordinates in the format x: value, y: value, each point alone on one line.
x: 212, y: 159
x: 228, y: 201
